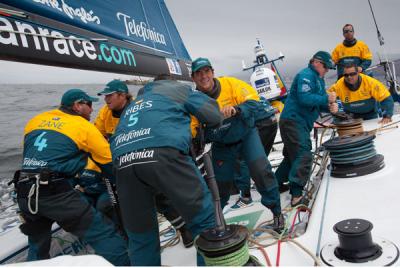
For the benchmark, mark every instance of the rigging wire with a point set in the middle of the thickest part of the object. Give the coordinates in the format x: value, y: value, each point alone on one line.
x: 380, y: 37
x: 389, y: 67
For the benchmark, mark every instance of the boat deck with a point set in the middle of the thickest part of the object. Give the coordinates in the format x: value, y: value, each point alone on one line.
x: 373, y: 197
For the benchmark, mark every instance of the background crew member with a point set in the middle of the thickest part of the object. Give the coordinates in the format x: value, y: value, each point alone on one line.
x: 150, y: 151
x: 57, y: 145
x: 351, y: 50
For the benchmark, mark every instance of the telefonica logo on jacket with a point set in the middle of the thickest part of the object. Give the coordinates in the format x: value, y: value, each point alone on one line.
x: 129, y: 157
x: 122, y: 138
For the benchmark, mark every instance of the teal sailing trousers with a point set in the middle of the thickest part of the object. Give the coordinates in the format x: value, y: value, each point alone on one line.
x: 297, y: 161
x: 249, y: 149
x: 267, y: 129
x: 71, y: 211
x: 139, y: 181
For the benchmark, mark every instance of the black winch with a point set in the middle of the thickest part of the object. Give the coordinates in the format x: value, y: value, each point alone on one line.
x: 223, y: 245
x: 356, y: 246
x: 353, y: 155
x: 355, y: 241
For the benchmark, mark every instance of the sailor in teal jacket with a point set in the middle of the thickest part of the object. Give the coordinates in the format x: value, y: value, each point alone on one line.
x: 57, y: 145
x: 306, y: 99
x: 150, y: 152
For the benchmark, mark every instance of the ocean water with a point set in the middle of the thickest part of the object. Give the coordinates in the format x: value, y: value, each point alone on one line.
x: 19, y: 103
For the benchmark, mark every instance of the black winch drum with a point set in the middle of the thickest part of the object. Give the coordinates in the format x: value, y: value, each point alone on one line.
x: 350, y: 141
x: 353, y: 155
x: 357, y: 247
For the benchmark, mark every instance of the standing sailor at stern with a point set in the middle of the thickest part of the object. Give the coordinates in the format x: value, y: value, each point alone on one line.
x: 237, y: 137
x: 150, y: 150
x: 57, y: 145
x: 360, y: 95
x: 351, y: 50
x: 306, y: 99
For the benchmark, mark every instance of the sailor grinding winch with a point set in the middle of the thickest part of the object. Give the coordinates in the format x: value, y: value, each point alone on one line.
x: 150, y: 160
x: 306, y: 99
x: 361, y: 95
x: 57, y: 144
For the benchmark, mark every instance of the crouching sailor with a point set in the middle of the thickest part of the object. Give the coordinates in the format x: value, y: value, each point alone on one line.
x: 57, y: 145
x: 150, y: 151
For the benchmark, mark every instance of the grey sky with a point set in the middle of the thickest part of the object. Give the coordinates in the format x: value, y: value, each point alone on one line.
x: 225, y: 31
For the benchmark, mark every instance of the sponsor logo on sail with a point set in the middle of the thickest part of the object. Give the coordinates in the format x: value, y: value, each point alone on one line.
x: 80, y: 12
x: 140, y: 29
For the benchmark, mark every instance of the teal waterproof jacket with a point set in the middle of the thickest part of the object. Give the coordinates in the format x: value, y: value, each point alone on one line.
x: 264, y: 110
x: 160, y: 117
x: 306, y: 99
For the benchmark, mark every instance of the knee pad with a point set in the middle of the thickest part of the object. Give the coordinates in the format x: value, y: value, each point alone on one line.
x: 30, y: 227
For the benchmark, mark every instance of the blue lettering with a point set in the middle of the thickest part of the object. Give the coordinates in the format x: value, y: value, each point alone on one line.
x: 106, y: 57
x: 114, y: 51
x: 40, y: 142
x: 133, y: 119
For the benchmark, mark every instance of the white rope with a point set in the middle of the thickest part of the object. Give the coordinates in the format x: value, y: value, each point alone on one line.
x: 31, y: 193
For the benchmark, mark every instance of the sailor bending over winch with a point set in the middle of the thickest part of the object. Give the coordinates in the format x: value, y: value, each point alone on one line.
x: 150, y: 149
x: 361, y: 95
x: 117, y: 98
x: 57, y: 145
x: 237, y: 137
x: 306, y: 99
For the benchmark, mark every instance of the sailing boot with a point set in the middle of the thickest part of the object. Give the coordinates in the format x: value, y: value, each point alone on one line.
x: 244, y: 200
x: 186, y: 236
x: 279, y: 223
